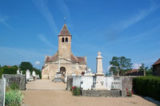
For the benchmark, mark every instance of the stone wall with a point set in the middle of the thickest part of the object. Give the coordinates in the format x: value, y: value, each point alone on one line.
x: 2, y: 93
x: 103, y: 93
x: 20, y: 80
x: 126, y: 84
x: 69, y: 83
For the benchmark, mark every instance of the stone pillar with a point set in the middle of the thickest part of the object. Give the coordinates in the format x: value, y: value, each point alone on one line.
x: 99, y: 65
x: 100, y: 78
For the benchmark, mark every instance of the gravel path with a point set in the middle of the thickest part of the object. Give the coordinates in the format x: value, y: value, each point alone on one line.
x: 47, y: 93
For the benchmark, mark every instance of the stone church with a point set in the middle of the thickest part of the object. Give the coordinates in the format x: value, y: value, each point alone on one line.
x: 63, y: 61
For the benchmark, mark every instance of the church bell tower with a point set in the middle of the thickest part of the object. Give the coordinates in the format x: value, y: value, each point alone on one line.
x: 64, y: 43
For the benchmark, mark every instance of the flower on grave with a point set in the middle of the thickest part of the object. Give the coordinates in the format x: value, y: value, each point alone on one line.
x: 129, y: 92
x: 73, y: 87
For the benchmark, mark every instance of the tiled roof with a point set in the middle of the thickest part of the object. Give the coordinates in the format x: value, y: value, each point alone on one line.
x: 74, y: 59
x: 157, y: 62
x: 64, y: 31
x: 81, y: 60
x: 52, y: 58
x: 132, y: 71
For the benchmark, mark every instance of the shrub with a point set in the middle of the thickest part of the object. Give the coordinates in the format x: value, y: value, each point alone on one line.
x: 76, y: 91
x: 13, y: 98
x: 14, y: 86
x: 147, y: 86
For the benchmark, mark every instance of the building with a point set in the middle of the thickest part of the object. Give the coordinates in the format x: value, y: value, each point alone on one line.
x: 156, y: 68
x: 63, y: 62
x: 134, y: 72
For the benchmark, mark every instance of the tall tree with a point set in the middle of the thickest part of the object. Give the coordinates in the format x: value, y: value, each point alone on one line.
x: 121, y: 64
x: 146, y: 70
x: 25, y: 65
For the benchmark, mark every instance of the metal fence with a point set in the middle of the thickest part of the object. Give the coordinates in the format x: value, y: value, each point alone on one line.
x: 2, y: 91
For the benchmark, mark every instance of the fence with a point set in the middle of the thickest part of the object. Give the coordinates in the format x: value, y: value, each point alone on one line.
x: 2, y: 91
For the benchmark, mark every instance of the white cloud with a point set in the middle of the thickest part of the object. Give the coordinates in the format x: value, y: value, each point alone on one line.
x: 3, y: 20
x: 12, y: 56
x: 136, y: 66
x: 43, y: 8
x: 132, y: 20
x: 37, y: 62
x: 46, y: 41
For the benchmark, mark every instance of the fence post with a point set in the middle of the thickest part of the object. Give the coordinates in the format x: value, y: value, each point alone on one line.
x: 4, y: 89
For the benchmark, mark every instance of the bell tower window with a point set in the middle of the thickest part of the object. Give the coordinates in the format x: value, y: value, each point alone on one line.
x: 66, y: 40
x: 62, y: 39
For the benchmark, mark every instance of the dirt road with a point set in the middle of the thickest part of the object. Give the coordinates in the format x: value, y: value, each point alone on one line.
x: 47, y: 93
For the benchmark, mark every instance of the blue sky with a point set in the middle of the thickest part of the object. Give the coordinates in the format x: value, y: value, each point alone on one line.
x: 29, y: 29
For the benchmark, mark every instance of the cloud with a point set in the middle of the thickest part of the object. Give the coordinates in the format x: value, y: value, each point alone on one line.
x: 130, y: 21
x: 136, y: 66
x: 46, y: 41
x: 65, y: 11
x: 12, y: 56
x: 3, y: 20
x: 43, y: 8
x: 37, y: 62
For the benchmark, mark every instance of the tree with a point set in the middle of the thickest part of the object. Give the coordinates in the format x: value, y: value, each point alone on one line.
x: 121, y: 64
x: 10, y: 69
x: 25, y: 65
x: 146, y: 70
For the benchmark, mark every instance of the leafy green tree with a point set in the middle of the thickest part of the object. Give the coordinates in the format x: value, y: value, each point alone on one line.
x: 1, y: 72
x: 147, y: 71
x: 10, y: 69
x: 24, y: 66
x: 121, y: 64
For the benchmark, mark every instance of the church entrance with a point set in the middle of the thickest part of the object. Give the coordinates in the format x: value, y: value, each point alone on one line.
x: 63, y: 71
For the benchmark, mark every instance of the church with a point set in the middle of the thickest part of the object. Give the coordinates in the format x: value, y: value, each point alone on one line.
x: 63, y: 61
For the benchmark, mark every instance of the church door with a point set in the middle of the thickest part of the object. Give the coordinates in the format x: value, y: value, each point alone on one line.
x: 63, y: 71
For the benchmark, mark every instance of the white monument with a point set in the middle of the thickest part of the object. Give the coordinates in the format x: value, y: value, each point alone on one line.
x: 28, y: 75
x: 18, y: 72
x: 21, y: 73
x: 33, y: 73
x: 100, y: 78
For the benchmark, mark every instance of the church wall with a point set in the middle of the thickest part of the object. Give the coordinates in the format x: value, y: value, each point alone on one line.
x: 50, y: 70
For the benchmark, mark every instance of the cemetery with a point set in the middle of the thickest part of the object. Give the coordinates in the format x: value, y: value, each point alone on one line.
x: 67, y: 76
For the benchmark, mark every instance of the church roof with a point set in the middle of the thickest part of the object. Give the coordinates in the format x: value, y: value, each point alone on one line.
x: 157, y: 62
x: 64, y: 31
x: 80, y: 60
x: 74, y: 59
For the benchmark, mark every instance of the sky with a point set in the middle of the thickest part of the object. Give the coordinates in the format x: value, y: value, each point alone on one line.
x: 29, y: 30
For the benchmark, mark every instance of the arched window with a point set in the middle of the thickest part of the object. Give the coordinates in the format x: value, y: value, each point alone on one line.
x: 62, y: 39
x: 66, y: 40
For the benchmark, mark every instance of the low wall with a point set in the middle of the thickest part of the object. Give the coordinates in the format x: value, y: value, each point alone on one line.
x: 20, y: 80
x: 103, y: 93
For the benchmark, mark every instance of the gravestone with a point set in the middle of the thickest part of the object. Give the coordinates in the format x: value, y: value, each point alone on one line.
x: 33, y: 73
x: 18, y: 72
x: 28, y: 75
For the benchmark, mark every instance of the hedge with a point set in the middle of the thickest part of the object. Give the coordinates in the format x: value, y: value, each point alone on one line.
x: 147, y: 86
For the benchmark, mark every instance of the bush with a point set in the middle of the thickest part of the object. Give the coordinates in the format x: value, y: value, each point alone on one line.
x: 76, y: 91
x: 1, y: 72
x: 13, y: 98
x: 14, y: 86
x: 147, y: 86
